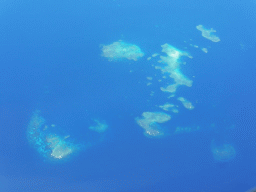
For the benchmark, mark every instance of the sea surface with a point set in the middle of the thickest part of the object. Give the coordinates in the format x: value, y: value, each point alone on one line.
x: 83, y: 85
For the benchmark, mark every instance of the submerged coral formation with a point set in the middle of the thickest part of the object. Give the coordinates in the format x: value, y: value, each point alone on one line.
x: 208, y: 33
x: 150, y: 123
x: 187, y: 104
x: 100, y: 126
x: 119, y: 50
x: 222, y: 152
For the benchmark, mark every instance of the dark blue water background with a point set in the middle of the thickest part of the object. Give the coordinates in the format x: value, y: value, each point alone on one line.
x: 51, y: 61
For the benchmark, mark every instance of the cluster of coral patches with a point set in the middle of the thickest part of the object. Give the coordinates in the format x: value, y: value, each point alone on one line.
x: 48, y: 144
x: 53, y: 146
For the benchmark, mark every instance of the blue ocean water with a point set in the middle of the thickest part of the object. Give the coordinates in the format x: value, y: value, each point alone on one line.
x: 51, y: 60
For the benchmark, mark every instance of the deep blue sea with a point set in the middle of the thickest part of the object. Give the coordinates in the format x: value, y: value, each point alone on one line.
x: 53, y: 69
